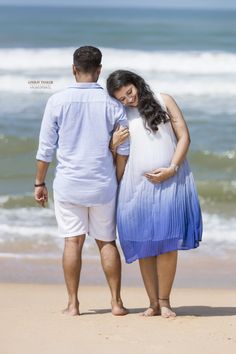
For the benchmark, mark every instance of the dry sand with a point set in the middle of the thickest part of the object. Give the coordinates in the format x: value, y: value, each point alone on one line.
x: 31, y: 322
x: 32, y: 294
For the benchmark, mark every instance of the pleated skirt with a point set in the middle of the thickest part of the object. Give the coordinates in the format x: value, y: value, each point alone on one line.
x: 153, y: 219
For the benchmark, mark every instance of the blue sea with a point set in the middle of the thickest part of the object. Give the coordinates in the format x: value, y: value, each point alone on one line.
x: 190, y: 54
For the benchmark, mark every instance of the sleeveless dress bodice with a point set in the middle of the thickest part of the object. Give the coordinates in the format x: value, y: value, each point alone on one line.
x: 155, y: 218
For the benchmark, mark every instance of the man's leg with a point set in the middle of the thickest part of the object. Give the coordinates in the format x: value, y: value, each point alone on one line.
x: 166, y: 268
x: 72, y: 263
x: 111, y: 263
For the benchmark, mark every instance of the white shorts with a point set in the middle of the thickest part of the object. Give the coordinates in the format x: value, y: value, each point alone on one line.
x: 96, y: 221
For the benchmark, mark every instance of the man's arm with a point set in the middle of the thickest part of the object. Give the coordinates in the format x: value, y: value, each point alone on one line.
x: 40, y: 191
x: 47, y: 144
x: 121, y: 161
x: 41, y: 171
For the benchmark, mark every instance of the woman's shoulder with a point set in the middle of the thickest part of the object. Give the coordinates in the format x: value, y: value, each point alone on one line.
x: 160, y: 99
x: 167, y: 99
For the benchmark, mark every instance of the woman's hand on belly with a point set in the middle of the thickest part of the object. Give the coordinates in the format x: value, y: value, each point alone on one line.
x: 160, y: 174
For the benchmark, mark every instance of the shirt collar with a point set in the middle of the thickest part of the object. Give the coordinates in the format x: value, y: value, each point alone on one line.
x: 86, y: 85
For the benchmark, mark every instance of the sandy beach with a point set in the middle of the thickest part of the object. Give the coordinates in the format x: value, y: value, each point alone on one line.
x: 33, y: 295
x: 31, y: 322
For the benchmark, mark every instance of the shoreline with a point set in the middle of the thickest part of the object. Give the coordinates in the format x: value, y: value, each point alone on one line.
x: 195, y: 270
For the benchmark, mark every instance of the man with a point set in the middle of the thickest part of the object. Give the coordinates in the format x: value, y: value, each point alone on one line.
x: 78, y: 122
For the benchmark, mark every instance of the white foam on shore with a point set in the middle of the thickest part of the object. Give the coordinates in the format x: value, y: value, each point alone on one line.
x: 219, y: 233
x: 32, y: 232
x: 29, y: 255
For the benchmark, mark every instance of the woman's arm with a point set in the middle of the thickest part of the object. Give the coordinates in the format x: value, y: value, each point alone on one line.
x: 183, y: 141
x: 119, y: 136
x: 121, y: 161
x: 180, y: 128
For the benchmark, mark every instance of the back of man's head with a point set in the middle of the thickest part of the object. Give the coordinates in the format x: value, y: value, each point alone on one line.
x: 87, y: 59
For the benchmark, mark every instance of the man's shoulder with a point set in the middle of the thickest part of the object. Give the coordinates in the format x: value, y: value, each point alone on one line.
x: 113, y: 102
x: 58, y: 97
x: 64, y: 96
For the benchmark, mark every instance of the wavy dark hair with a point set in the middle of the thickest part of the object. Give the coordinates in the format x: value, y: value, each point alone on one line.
x: 149, y: 108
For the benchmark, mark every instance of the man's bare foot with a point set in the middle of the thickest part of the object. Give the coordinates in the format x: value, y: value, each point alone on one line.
x: 151, y: 311
x: 72, y: 310
x: 118, y: 309
x: 165, y: 309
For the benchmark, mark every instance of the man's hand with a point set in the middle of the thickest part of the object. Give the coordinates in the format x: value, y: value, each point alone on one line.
x: 41, y: 195
x: 160, y: 174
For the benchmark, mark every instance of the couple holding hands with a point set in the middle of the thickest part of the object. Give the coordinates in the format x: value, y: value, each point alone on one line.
x: 121, y: 163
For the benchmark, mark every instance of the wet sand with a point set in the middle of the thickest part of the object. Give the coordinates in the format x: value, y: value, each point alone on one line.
x: 195, y: 270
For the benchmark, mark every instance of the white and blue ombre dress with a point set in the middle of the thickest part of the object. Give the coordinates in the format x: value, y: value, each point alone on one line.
x: 153, y: 219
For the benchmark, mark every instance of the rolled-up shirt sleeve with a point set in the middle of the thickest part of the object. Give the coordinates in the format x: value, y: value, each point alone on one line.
x: 124, y: 148
x: 48, y: 136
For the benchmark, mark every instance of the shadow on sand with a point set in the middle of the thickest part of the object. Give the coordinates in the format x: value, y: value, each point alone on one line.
x: 198, y: 311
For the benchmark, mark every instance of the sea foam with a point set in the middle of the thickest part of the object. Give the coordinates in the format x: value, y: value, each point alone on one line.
x: 186, y: 62
x: 34, y: 231
x: 183, y: 72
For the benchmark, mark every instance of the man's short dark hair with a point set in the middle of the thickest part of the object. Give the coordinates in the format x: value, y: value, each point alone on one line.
x: 87, y: 58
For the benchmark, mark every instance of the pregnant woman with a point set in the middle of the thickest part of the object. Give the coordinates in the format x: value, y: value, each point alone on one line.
x: 158, y: 211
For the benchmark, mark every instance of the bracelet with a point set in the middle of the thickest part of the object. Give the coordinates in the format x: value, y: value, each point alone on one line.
x: 175, y: 167
x: 40, y: 184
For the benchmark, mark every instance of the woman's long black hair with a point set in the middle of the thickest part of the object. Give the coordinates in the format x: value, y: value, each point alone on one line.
x: 148, y: 107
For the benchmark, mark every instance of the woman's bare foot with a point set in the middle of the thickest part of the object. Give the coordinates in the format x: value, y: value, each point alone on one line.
x: 118, y: 309
x: 151, y: 311
x: 72, y: 310
x: 165, y: 309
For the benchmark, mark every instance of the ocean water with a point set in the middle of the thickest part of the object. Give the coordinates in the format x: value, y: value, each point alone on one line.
x: 188, y: 54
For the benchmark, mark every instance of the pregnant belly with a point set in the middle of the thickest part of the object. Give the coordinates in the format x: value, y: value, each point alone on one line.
x: 141, y: 163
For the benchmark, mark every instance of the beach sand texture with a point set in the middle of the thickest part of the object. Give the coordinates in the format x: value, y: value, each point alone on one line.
x: 31, y: 322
